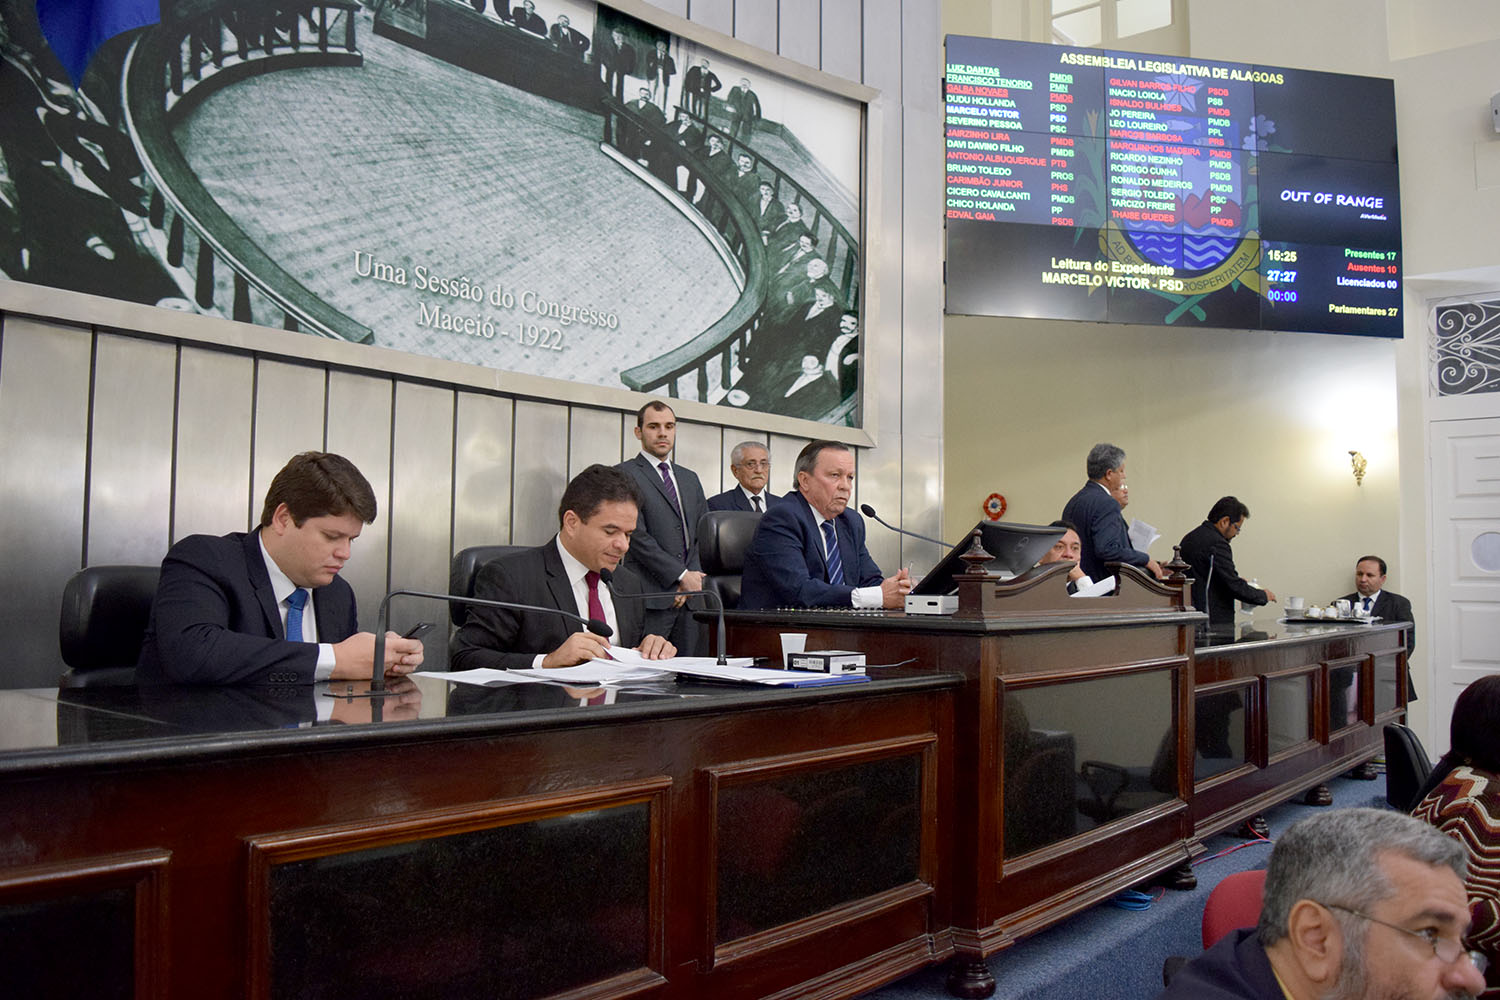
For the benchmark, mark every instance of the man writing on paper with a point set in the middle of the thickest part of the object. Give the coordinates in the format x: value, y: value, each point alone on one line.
x: 809, y: 552
x: 267, y: 606
x: 596, y: 518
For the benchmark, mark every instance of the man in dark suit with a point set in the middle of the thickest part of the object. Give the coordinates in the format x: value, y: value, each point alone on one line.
x: 596, y: 517
x: 636, y: 142
x: 809, y: 552
x: 527, y: 19
x: 660, y: 68
x: 1216, y: 584
x: 616, y: 58
x: 268, y: 606
x: 744, y: 109
x: 699, y: 84
x: 1094, y: 511
x: 568, y: 39
x: 1370, y: 595
x: 664, y: 553
x: 750, y: 464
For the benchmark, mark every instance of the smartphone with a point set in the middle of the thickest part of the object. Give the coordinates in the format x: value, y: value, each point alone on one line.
x: 417, y: 631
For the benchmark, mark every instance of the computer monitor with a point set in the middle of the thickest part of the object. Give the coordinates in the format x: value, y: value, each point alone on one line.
x: 1013, y: 549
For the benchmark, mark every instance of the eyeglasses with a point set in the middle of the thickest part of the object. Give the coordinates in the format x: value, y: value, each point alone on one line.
x: 1445, y: 948
x: 762, y: 464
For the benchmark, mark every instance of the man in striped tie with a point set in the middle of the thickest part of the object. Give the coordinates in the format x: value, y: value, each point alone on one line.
x: 268, y: 606
x: 809, y: 552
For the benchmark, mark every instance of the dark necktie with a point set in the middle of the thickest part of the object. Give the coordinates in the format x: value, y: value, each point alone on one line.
x: 666, y: 481
x: 295, y: 602
x: 1367, y: 604
x: 835, y: 561
x: 755, y: 501
x: 596, y: 606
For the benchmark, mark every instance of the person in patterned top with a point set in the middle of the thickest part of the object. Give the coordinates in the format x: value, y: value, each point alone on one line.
x: 1463, y: 800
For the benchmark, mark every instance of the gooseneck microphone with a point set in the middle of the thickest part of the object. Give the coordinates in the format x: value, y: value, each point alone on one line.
x: 377, y: 670
x: 869, y: 512
x: 723, y: 661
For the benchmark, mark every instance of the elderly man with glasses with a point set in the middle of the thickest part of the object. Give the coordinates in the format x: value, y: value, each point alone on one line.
x: 1359, y: 903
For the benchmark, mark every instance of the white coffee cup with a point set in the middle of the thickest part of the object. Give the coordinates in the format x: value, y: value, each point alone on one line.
x: 1296, y: 603
x: 792, y: 642
x: 1315, y: 612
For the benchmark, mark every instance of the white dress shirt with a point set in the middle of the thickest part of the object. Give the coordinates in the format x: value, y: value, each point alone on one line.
x: 863, y: 597
x: 576, y: 572
x: 282, y: 587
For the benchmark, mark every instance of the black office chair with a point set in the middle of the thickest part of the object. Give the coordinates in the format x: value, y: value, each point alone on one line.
x: 105, y: 610
x: 465, y: 570
x: 1406, y: 766
x: 723, y: 537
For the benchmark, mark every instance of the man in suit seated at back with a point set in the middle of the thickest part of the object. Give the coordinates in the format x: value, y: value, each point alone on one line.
x: 809, y: 551
x: 596, y: 518
x: 1387, y: 605
x: 267, y: 606
x: 750, y: 464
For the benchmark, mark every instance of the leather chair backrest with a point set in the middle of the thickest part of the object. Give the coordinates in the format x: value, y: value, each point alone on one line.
x: 1406, y: 766
x: 105, y: 611
x: 465, y: 570
x: 1234, y: 903
x: 723, y: 537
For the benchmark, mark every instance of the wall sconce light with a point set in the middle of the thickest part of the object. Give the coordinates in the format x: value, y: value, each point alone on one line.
x: 1358, y: 462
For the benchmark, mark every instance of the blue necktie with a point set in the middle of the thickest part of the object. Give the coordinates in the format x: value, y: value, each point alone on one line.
x: 1367, y: 604
x: 835, y: 561
x: 295, y: 601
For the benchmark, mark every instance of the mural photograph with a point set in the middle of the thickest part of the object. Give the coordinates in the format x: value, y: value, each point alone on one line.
x: 552, y: 188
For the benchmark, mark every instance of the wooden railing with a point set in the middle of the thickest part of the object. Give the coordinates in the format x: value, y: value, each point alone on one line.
x: 169, y: 70
x: 701, y: 368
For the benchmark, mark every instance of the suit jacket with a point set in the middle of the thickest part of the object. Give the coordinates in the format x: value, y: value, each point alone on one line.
x: 569, y: 40
x: 784, y: 566
x: 1236, y: 968
x: 701, y: 81
x: 1391, y: 608
x: 734, y: 499
x: 529, y: 22
x: 743, y: 104
x: 1214, y: 578
x: 215, y: 619
x: 503, y: 639
x: 656, y: 547
x: 1102, y: 533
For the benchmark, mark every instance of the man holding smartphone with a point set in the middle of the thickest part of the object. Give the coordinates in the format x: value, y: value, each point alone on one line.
x: 267, y: 606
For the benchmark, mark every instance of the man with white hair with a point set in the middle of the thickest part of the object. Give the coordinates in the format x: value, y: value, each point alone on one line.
x: 1359, y: 903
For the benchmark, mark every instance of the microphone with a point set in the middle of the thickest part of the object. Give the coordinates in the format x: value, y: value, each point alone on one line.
x: 377, y: 670
x: 869, y: 512
x: 608, y: 577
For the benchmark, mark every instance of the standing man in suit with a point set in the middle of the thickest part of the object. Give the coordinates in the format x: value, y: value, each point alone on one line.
x: 596, y: 519
x: 660, y: 68
x: 267, y: 606
x: 750, y: 464
x: 1370, y: 593
x: 744, y: 109
x: 699, y: 84
x: 664, y: 553
x: 809, y: 552
x: 1096, y: 514
x: 1216, y: 584
x: 616, y: 58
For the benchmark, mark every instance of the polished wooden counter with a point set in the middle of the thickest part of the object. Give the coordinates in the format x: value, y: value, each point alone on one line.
x: 685, y: 841
x: 1073, y: 740
x: 1280, y: 708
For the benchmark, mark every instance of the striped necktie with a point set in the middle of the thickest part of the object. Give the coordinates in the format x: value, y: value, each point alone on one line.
x: 835, y: 561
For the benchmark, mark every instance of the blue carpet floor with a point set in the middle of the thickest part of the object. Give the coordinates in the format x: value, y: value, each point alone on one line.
x: 1108, y: 952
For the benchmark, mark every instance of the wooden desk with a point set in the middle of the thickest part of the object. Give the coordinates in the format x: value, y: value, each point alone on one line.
x: 1074, y: 736
x: 698, y: 842
x: 1282, y: 708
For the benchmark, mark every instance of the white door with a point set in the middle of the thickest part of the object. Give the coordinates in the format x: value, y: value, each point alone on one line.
x: 1465, y: 565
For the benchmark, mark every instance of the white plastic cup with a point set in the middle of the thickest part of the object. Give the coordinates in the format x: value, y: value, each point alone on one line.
x: 792, y: 642
x: 1296, y: 603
